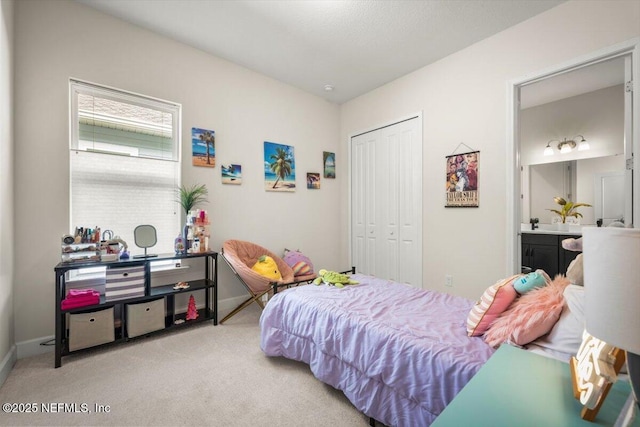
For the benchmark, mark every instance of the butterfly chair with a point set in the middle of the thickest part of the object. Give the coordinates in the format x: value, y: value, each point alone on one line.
x: 241, y: 256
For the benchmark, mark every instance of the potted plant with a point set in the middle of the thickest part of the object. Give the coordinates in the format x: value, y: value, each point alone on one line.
x: 190, y: 197
x: 567, y: 208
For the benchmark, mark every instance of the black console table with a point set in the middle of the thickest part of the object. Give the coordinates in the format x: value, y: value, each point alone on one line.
x: 114, y: 326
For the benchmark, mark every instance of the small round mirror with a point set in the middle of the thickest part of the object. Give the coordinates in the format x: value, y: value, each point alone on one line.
x: 145, y: 237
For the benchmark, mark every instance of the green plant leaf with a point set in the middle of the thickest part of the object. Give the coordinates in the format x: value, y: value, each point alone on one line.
x: 190, y: 197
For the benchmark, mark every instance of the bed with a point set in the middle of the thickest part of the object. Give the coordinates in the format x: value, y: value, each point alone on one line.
x: 399, y: 354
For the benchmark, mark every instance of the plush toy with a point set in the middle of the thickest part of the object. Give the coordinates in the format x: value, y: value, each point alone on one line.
x: 333, y: 278
x: 531, y: 281
x: 267, y: 267
x: 574, y: 245
x: 575, y: 269
x: 299, y: 263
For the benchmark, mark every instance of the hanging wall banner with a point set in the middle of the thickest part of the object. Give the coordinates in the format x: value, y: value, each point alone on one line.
x: 462, y: 180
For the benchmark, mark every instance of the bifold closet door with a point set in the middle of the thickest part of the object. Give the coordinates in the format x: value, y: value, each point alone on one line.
x: 387, y: 202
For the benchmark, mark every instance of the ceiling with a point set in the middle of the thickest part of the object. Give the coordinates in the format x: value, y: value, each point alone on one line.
x: 354, y: 46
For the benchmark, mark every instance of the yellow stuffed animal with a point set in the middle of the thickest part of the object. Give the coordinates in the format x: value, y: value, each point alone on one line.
x: 267, y: 267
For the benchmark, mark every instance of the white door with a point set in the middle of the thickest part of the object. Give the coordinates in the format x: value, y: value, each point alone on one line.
x: 609, y: 197
x: 387, y: 202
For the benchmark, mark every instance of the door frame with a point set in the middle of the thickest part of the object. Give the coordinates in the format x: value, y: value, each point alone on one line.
x: 351, y: 135
x: 629, y: 47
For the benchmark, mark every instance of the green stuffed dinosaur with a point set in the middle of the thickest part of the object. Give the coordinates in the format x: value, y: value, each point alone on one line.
x: 333, y: 278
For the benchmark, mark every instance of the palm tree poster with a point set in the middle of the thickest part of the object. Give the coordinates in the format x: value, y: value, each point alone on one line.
x: 329, y: 162
x: 203, y: 147
x: 313, y: 180
x: 279, y: 167
x: 231, y: 174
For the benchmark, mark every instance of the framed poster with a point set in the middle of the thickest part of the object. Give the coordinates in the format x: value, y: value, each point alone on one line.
x: 203, y: 147
x: 231, y: 174
x: 313, y: 180
x: 279, y: 167
x: 462, y: 180
x: 329, y: 164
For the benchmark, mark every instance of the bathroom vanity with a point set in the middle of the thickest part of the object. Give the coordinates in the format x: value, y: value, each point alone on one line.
x: 542, y: 249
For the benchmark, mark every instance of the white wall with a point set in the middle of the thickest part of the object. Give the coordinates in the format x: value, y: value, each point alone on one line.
x: 61, y: 39
x: 7, y: 336
x: 464, y: 99
x: 597, y: 115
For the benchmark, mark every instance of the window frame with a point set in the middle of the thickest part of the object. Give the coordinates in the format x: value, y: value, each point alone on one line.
x: 77, y: 86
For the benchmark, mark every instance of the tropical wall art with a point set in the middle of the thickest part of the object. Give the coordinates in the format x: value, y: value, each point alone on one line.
x: 329, y: 164
x: 462, y: 180
x: 231, y: 174
x: 203, y: 147
x: 279, y: 167
x: 313, y: 181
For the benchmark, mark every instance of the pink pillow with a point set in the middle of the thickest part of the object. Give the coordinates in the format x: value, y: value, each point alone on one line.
x: 493, y: 302
x: 530, y: 317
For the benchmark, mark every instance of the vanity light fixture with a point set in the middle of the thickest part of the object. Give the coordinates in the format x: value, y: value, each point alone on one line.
x: 567, y: 145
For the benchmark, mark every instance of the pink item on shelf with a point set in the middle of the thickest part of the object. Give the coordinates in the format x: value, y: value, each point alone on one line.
x: 75, y: 293
x: 80, y: 298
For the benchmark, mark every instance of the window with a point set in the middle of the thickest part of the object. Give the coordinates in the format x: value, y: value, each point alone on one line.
x: 125, y: 163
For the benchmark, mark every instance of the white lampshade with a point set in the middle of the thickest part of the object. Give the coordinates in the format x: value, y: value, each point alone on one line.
x: 611, y: 258
x: 548, y: 151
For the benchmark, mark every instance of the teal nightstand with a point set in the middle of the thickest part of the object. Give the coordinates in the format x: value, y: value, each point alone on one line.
x: 517, y: 387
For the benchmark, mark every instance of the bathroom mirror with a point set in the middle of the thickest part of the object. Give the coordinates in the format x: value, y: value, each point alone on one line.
x: 145, y: 237
x: 598, y: 181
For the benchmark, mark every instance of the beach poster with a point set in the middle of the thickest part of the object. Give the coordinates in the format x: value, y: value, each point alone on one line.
x: 313, y: 180
x: 231, y: 174
x: 329, y: 164
x: 203, y: 146
x: 279, y: 167
x: 462, y: 180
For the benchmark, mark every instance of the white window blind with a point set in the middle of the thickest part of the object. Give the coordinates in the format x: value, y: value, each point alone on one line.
x: 125, y: 164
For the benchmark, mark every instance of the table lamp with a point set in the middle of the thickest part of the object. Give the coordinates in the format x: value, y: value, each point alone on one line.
x: 612, y: 297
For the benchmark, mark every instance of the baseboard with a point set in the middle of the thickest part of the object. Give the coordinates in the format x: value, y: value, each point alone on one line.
x: 33, y: 347
x: 7, y: 364
x: 226, y: 305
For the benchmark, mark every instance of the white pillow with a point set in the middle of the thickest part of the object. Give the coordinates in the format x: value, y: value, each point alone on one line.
x: 564, y: 339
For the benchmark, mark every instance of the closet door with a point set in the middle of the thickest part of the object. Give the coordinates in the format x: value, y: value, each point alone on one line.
x: 387, y: 202
x: 364, y: 207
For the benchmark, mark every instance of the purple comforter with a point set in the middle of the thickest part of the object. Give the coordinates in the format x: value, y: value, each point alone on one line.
x: 399, y: 354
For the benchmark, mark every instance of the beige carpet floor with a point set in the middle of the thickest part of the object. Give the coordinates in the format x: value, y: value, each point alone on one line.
x: 200, y: 376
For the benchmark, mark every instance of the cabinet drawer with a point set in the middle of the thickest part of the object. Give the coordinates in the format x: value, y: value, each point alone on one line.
x: 124, y: 282
x: 89, y: 329
x: 145, y: 317
x: 540, y: 239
